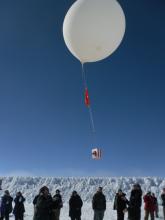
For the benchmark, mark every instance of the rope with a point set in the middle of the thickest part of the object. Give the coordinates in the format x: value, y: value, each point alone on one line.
x: 89, y: 107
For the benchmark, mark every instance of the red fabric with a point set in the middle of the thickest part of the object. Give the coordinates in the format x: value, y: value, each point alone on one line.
x: 87, y: 101
x: 149, y: 203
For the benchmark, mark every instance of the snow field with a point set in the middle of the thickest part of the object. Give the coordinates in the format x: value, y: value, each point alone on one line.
x: 87, y: 212
x: 86, y: 187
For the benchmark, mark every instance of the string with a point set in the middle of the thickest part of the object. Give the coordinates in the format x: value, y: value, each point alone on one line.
x: 89, y: 107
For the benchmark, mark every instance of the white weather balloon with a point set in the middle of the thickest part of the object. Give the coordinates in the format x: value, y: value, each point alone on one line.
x: 93, y: 29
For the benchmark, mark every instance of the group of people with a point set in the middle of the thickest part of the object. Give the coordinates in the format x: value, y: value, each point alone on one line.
x: 47, y: 207
x: 6, y: 206
x: 133, y: 205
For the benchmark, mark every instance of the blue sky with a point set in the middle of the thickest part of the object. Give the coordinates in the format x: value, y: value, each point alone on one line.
x: 44, y: 124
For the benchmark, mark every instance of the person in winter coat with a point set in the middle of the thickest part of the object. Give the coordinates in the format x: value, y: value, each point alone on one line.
x: 120, y: 204
x: 99, y: 204
x: 75, y: 205
x: 19, y: 208
x: 156, y: 206
x: 6, y: 205
x: 149, y: 206
x: 163, y: 201
x: 57, y: 205
x: 135, y: 202
x: 34, y: 204
x: 44, y: 205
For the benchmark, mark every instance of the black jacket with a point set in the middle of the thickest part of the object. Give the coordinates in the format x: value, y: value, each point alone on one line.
x: 6, y: 204
x: 163, y: 199
x: 99, y: 201
x: 35, y: 200
x: 19, y: 205
x: 57, y: 201
x: 120, y: 202
x: 135, y: 199
x: 75, y: 204
x: 43, y: 208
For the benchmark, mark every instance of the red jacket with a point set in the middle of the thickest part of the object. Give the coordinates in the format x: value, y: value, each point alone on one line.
x: 149, y: 203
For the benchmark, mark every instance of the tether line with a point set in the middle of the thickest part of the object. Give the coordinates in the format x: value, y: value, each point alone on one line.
x: 89, y: 107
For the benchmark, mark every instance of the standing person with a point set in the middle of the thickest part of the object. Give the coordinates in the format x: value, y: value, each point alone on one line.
x: 43, y: 205
x: 135, y: 202
x: 19, y: 208
x: 163, y: 201
x: 99, y: 204
x: 34, y: 204
x: 149, y: 206
x: 120, y: 204
x: 6, y: 205
x: 156, y: 205
x: 57, y: 205
x: 75, y: 205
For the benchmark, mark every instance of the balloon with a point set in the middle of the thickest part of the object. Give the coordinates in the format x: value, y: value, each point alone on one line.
x: 93, y: 29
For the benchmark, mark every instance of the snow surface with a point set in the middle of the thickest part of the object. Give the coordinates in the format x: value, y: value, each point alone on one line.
x: 86, y: 187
